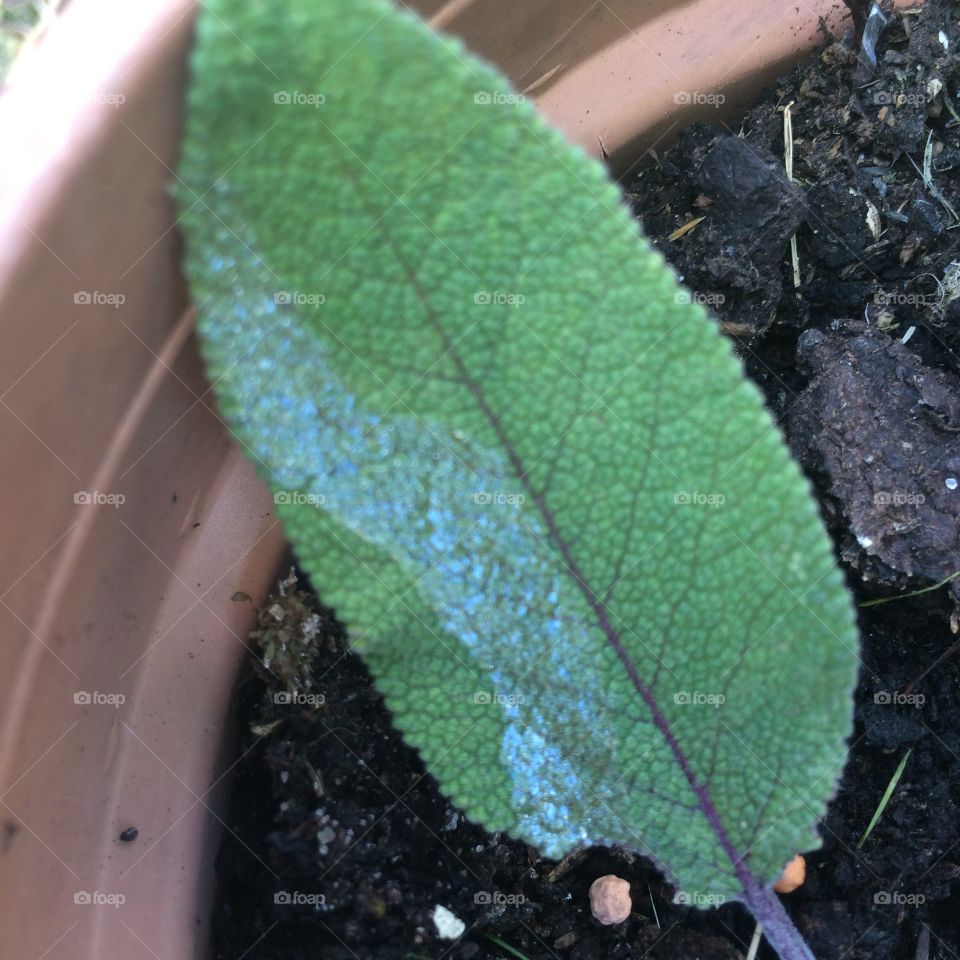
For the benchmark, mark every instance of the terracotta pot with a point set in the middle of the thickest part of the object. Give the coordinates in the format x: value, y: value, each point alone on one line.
x: 124, y: 619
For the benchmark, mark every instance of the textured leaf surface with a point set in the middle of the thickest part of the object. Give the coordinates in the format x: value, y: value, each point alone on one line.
x: 526, y: 471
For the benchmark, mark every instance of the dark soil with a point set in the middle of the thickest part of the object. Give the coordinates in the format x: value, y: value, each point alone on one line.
x: 333, y: 812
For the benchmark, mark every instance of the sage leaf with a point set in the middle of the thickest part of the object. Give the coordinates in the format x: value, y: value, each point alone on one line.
x: 514, y: 455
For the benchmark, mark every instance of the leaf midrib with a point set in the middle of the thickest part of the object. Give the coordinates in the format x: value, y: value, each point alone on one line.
x: 596, y: 604
x: 599, y: 608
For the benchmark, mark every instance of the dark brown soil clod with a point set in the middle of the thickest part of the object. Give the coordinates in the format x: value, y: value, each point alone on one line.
x: 885, y: 431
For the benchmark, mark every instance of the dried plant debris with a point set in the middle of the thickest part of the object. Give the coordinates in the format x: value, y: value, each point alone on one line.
x: 874, y: 164
x: 290, y: 629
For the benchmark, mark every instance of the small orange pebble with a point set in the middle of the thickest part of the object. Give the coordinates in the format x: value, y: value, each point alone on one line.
x: 794, y: 873
x: 610, y: 899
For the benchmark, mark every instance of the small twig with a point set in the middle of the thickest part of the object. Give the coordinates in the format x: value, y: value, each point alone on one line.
x: 653, y: 906
x: 946, y: 655
x: 685, y: 229
x: 949, y: 103
x: 788, y: 162
x: 927, y: 174
x: 755, y: 943
x: 567, y: 864
x: 914, y: 593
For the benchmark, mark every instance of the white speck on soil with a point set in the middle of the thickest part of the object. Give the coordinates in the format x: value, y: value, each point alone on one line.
x: 449, y: 925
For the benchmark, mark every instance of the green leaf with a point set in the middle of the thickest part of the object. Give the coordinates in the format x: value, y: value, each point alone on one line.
x: 521, y: 464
